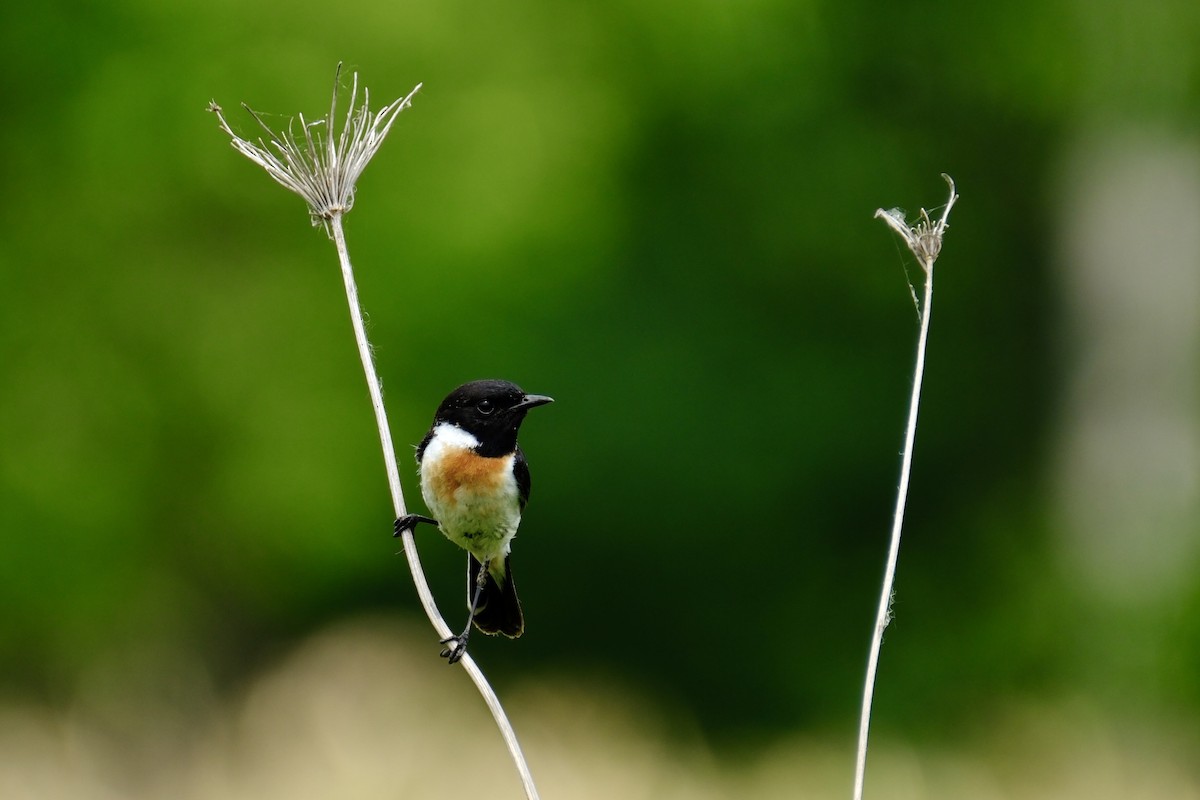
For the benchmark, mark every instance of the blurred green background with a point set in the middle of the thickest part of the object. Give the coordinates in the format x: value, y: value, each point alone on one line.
x: 659, y: 213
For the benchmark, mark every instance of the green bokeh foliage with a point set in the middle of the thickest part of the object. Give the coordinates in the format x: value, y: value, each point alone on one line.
x: 660, y: 214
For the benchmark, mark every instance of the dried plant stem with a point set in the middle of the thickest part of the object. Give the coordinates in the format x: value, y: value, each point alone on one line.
x: 924, y: 239
x: 889, y: 573
x: 410, y: 546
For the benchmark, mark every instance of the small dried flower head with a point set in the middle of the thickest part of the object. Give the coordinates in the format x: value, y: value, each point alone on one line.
x: 924, y: 238
x: 318, y: 162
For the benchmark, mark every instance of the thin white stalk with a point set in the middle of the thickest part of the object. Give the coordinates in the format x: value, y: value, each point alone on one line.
x: 410, y: 546
x: 889, y: 573
x: 925, y: 241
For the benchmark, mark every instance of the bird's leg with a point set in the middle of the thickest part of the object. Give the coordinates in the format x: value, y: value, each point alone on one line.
x: 410, y: 522
x: 457, y: 645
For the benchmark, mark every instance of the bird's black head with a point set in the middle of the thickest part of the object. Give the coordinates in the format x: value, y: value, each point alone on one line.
x: 491, y: 411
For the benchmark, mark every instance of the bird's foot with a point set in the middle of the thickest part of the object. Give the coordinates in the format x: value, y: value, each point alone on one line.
x: 456, y: 648
x: 409, y: 522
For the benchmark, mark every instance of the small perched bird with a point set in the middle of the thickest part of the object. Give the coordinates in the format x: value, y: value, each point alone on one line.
x: 475, y: 480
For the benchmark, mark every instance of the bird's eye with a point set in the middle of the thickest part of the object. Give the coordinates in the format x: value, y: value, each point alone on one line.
x: 485, y: 407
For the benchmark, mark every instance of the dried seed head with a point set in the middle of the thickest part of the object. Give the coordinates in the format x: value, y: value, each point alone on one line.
x: 315, y: 159
x: 924, y: 238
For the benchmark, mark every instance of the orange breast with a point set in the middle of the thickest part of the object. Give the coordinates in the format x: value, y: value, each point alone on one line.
x: 458, y: 468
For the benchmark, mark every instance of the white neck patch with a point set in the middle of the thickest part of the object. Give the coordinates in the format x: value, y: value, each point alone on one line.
x: 449, y: 435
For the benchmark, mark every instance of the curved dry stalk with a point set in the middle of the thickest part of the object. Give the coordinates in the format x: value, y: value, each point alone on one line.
x: 323, y: 170
x: 925, y: 241
x: 410, y: 546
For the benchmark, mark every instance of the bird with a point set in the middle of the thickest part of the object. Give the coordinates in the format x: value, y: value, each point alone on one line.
x: 475, y: 482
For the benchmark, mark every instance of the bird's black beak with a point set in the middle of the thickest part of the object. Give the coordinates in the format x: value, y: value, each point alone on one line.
x: 532, y: 401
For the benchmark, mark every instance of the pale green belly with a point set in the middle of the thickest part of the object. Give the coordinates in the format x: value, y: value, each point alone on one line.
x: 481, y: 523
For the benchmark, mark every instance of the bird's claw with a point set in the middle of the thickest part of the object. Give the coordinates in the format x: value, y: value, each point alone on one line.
x: 409, y: 523
x: 456, y: 648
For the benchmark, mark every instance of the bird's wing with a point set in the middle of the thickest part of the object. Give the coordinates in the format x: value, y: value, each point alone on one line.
x: 521, y: 473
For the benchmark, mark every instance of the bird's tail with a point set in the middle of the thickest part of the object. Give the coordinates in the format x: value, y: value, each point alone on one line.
x: 499, y: 610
